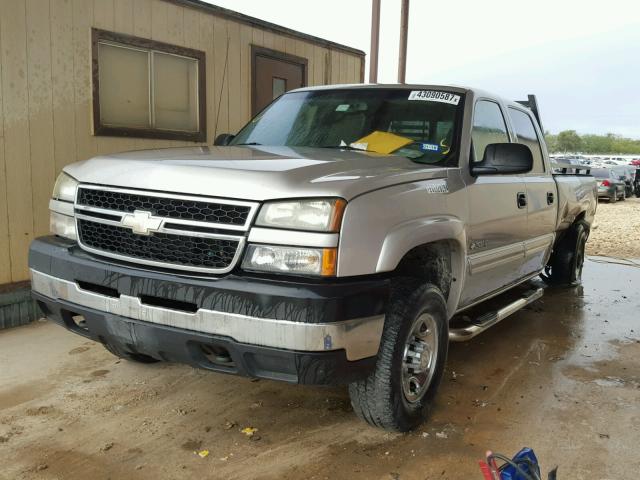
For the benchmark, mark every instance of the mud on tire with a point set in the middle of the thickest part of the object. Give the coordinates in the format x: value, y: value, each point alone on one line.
x: 386, y: 398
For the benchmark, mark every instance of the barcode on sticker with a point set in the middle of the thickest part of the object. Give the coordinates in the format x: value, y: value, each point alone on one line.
x: 435, y: 96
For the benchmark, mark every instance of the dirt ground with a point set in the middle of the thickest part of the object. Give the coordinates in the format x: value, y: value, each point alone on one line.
x: 562, y: 377
x: 616, y: 231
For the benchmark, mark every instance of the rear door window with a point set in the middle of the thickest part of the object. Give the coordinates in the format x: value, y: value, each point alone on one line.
x: 526, y: 133
x: 488, y: 127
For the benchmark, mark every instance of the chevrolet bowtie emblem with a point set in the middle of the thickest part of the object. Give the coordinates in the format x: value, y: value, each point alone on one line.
x: 141, y: 222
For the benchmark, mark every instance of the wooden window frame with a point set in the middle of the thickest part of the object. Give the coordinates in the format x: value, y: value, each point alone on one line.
x: 97, y: 36
x: 257, y: 51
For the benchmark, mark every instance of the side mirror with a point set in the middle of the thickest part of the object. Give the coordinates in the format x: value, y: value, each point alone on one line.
x: 501, y: 158
x: 223, y: 139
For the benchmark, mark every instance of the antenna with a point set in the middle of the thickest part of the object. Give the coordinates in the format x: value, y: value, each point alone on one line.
x: 224, y: 75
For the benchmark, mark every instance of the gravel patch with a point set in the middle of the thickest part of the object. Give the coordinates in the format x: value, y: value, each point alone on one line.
x: 616, y: 230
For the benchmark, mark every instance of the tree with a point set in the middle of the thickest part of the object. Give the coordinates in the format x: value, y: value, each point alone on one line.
x: 568, y: 141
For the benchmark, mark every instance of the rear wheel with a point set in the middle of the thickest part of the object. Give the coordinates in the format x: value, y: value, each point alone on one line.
x: 565, y: 266
x: 131, y: 356
x: 399, y: 393
x: 613, y: 198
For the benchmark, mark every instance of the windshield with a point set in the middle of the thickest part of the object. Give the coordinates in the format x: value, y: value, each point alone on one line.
x: 417, y: 124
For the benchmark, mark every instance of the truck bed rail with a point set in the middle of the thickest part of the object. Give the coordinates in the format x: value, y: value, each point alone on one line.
x: 562, y: 168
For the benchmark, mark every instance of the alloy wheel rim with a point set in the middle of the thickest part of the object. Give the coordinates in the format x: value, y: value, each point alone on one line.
x: 419, y: 357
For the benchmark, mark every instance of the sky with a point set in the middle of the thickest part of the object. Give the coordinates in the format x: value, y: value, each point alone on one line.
x: 580, y: 58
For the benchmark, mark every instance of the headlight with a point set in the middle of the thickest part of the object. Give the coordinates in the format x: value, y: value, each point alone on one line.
x: 293, y: 260
x: 62, y: 225
x: 65, y: 188
x: 319, y: 215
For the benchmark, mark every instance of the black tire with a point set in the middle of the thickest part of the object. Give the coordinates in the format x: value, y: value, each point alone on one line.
x: 130, y: 356
x: 613, y: 198
x: 567, y: 260
x: 624, y: 196
x: 380, y: 399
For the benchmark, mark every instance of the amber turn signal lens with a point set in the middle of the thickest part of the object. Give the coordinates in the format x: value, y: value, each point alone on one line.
x: 329, y: 262
x: 336, y: 216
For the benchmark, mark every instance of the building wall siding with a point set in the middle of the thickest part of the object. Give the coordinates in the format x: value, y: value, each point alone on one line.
x: 45, y: 92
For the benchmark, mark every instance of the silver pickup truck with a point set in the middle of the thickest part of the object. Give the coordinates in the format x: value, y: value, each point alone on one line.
x: 344, y: 236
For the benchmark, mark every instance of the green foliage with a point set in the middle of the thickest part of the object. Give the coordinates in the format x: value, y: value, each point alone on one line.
x: 572, y: 142
x: 569, y: 141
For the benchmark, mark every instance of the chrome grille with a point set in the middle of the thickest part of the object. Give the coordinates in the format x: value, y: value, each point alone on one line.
x: 169, y: 207
x: 181, y: 232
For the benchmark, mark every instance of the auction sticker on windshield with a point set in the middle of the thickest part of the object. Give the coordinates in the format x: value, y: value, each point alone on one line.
x: 435, y: 96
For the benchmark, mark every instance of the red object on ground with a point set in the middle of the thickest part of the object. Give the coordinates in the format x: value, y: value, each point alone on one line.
x: 486, y: 473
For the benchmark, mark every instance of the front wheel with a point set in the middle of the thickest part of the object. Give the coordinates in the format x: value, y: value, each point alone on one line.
x: 399, y: 393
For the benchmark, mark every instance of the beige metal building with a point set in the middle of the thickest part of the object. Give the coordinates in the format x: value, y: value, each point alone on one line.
x: 85, y: 77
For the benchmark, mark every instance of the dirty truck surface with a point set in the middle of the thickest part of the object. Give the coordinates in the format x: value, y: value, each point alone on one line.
x: 562, y: 376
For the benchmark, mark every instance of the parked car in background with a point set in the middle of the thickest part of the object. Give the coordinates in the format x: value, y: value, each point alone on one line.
x: 610, y: 185
x: 627, y: 173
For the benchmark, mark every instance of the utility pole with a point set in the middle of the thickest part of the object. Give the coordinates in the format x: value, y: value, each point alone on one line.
x: 404, y: 30
x: 375, y: 38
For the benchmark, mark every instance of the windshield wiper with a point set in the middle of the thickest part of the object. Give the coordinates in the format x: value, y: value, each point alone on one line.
x: 346, y: 147
x: 249, y: 143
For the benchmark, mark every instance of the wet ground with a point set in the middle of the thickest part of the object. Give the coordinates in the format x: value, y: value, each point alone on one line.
x: 562, y: 377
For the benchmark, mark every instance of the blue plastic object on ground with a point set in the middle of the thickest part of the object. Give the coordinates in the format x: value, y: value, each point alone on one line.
x: 523, y: 459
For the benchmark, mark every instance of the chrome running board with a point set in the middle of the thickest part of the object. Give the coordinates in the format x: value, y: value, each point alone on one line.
x: 479, y: 324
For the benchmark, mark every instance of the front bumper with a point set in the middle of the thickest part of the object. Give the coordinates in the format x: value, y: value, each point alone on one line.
x: 292, y: 331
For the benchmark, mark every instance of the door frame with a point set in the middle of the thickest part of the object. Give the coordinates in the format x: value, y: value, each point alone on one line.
x: 257, y: 51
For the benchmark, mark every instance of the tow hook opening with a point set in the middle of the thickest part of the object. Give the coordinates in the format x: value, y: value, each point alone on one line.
x: 75, y: 321
x: 80, y: 321
x: 219, y: 356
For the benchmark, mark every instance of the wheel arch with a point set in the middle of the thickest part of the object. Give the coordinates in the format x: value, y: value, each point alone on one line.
x: 431, y: 248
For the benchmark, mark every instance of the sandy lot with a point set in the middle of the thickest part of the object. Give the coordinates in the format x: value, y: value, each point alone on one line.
x: 562, y: 377
x: 616, y: 231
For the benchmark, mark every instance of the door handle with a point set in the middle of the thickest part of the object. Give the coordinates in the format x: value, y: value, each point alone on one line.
x: 550, y: 198
x: 522, y: 199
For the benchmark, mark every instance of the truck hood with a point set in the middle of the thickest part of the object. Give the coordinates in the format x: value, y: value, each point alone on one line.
x: 253, y: 173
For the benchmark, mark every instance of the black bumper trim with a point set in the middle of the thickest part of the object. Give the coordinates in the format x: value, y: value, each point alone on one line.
x: 294, y: 300
x: 183, y: 346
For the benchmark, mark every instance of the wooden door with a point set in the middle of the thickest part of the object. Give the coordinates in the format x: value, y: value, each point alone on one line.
x: 273, y: 74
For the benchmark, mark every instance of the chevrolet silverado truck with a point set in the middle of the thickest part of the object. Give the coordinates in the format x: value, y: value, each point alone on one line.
x: 344, y: 236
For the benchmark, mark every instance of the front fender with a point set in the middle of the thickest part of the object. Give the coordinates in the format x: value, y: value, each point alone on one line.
x: 381, y: 227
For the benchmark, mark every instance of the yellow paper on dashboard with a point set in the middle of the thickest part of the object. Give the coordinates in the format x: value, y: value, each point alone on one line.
x: 382, y: 142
